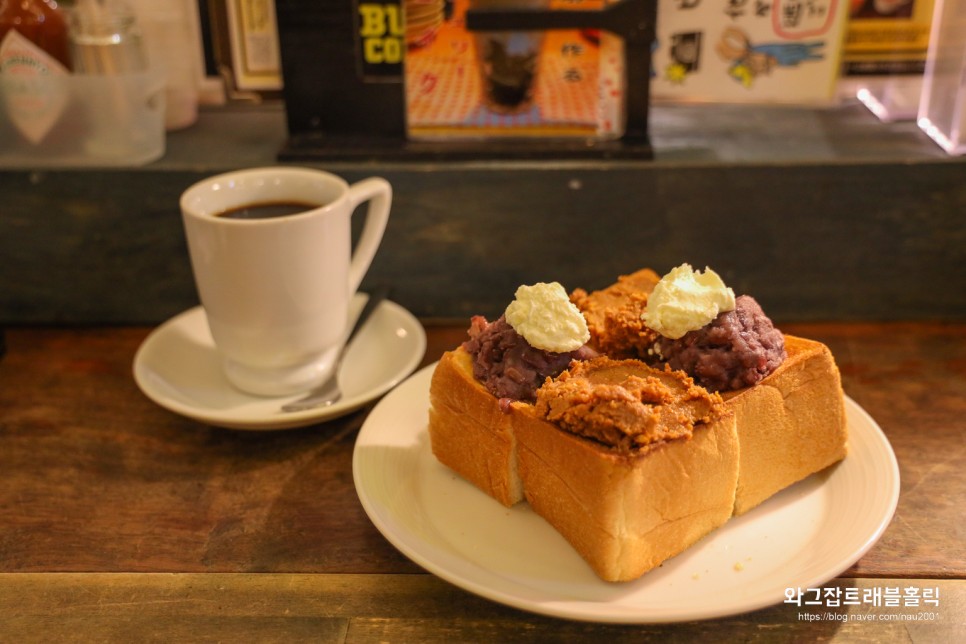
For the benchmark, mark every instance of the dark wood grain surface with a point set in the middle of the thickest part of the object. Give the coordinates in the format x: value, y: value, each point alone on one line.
x: 821, y: 213
x: 97, y: 483
x: 396, y: 608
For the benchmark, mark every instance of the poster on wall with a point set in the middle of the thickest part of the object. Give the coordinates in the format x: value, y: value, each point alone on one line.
x: 887, y: 37
x: 748, y: 51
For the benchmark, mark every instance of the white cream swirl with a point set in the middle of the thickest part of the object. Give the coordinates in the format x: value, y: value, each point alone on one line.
x: 547, y: 319
x: 686, y: 300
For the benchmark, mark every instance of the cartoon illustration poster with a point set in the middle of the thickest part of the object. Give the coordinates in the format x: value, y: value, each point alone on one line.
x: 748, y: 51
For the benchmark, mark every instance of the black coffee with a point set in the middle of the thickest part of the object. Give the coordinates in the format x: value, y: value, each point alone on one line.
x: 268, y: 210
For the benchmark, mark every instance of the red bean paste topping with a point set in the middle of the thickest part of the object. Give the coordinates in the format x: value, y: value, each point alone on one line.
x: 736, y: 350
x: 507, y: 365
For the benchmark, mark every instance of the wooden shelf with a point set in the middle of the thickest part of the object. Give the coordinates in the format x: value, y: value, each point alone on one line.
x: 819, y: 213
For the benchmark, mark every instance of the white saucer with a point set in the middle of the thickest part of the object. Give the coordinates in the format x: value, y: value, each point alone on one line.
x: 178, y: 367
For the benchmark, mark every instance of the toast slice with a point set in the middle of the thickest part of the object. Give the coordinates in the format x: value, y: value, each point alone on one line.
x: 627, y: 513
x: 790, y: 425
x: 623, y: 513
x: 469, y: 432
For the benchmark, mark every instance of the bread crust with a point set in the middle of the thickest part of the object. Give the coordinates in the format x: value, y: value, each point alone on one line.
x: 790, y: 425
x: 627, y: 513
x: 469, y: 432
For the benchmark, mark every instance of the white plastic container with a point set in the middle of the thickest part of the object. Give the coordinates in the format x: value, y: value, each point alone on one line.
x: 942, y: 106
x: 115, y: 120
x: 172, y: 36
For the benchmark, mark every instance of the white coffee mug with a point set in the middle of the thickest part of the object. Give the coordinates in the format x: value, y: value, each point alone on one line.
x: 276, y: 290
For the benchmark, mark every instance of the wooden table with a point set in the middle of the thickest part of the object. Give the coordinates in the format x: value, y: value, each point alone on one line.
x: 120, y: 520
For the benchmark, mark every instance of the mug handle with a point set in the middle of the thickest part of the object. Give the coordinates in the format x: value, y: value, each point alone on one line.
x: 380, y: 192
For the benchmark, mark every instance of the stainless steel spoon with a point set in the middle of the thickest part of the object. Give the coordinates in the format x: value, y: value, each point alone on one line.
x: 329, y: 393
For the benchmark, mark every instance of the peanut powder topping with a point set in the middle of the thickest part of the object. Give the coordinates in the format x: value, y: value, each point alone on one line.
x: 614, y: 315
x: 625, y: 404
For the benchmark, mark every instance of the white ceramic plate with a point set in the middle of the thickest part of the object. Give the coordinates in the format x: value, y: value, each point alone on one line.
x: 177, y: 366
x: 800, y: 538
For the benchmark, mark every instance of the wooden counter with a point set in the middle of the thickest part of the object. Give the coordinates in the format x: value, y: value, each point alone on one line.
x: 122, y: 521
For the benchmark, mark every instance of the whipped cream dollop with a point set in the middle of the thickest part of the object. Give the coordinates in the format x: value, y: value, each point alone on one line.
x: 546, y: 318
x: 686, y: 300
